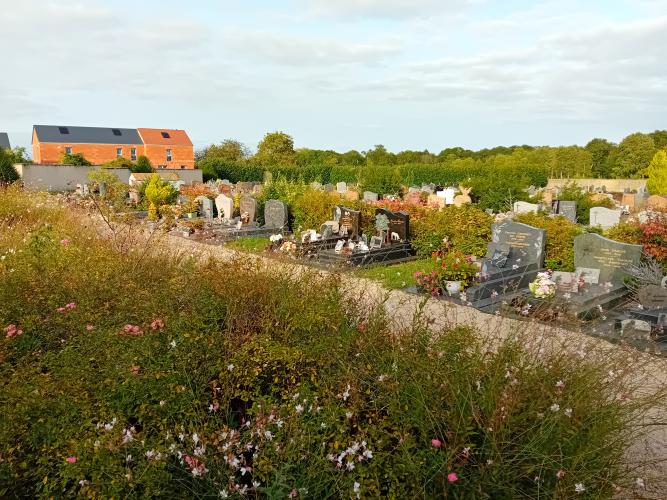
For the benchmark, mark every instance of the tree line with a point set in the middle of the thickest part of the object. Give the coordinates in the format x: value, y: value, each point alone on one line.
x: 599, y: 158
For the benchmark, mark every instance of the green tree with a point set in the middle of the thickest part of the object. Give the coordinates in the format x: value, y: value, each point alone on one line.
x: 632, y: 156
x: 353, y: 157
x: 659, y: 139
x: 229, y: 150
x: 17, y: 155
x: 380, y: 156
x: 600, y: 149
x: 143, y: 165
x: 76, y: 159
x: 277, y: 148
x: 119, y: 163
x: 8, y: 173
x: 158, y: 193
x: 657, y: 173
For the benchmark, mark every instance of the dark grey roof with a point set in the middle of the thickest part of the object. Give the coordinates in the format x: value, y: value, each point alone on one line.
x: 4, y: 141
x: 87, y: 135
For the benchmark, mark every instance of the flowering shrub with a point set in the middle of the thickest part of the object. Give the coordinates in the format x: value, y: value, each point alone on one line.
x: 652, y: 234
x: 543, y: 287
x: 456, y: 266
x: 428, y: 282
x: 274, y: 383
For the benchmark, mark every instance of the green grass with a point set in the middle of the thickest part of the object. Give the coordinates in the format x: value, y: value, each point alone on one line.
x: 254, y: 244
x: 397, y: 276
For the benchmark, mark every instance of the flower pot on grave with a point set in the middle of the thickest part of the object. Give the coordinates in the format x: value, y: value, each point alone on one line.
x: 453, y: 287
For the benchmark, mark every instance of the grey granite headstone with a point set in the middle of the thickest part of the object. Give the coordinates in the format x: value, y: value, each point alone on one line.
x: 328, y: 188
x: 527, y: 243
x: 370, y: 196
x: 341, y: 187
x: 206, y: 205
x: 248, y: 205
x: 609, y: 256
x: 652, y: 297
x: 275, y: 214
x: 316, y: 185
x: 498, y: 253
x: 568, y: 209
x: 225, y: 206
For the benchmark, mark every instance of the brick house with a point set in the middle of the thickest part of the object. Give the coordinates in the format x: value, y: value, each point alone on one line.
x: 165, y: 148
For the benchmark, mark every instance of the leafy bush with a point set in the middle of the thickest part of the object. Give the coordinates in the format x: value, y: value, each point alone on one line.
x: 652, y: 234
x: 158, y: 193
x: 8, y: 173
x: 467, y: 229
x: 159, y: 379
x: 76, y: 159
x: 143, y: 165
x: 561, y: 232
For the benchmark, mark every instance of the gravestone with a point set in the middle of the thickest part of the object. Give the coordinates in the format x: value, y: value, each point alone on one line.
x: 399, y: 223
x: 463, y: 198
x: 604, y: 217
x: 206, y: 206
x: 352, y: 195
x: 436, y: 201
x: 350, y: 222
x: 448, y: 194
x: 341, y: 187
x: 225, y: 206
x: 652, y: 297
x: 526, y: 243
x: 610, y: 257
x: 326, y: 231
x: 428, y: 188
x: 244, y: 187
x: 522, y: 207
x: 413, y: 198
x: 316, y: 185
x: 370, y: 196
x: 567, y: 209
x: 248, y: 207
x: 328, y: 188
x: 413, y: 189
x: 275, y: 215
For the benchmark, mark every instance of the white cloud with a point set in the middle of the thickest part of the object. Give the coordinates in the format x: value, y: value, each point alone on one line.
x: 382, y: 9
x: 299, y: 51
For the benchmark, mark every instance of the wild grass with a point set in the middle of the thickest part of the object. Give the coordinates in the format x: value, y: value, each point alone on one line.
x: 170, y: 377
x: 397, y: 276
x: 253, y: 244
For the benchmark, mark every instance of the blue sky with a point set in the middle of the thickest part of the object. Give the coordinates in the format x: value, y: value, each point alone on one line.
x: 340, y: 74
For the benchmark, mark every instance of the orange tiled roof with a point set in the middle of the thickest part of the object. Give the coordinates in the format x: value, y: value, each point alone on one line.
x: 156, y: 136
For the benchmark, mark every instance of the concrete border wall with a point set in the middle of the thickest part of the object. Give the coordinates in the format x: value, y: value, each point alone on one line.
x: 65, y: 177
x: 610, y: 185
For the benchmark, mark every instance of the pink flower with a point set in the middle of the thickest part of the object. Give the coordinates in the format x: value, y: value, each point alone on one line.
x: 71, y: 459
x: 293, y: 494
x: 157, y: 324
x: 131, y: 330
x: 436, y: 443
x: 64, y: 242
x: 135, y: 369
x: 90, y: 327
x: 452, y: 477
x: 12, y: 331
x: 560, y: 474
x: 67, y: 307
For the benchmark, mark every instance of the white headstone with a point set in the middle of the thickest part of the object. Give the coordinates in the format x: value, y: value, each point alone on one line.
x: 604, y: 217
x: 522, y: 207
x: 225, y: 206
x: 448, y: 194
x: 341, y: 187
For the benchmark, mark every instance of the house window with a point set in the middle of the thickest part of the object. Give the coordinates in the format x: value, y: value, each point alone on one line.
x: 168, y: 154
x: 119, y: 152
x: 115, y: 131
x: 165, y: 135
x: 68, y: 151
x: 133, y: 154
x: 162, y: 166
x: 182, y: 167
x: 63, y: 130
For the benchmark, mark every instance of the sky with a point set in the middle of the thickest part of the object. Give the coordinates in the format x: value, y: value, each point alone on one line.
x: 339, y: 74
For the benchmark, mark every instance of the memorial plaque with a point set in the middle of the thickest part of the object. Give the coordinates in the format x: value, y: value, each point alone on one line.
x: 370, y: 196
x: 652, y: 297
x: 590, y: 276
x: 610, y: 257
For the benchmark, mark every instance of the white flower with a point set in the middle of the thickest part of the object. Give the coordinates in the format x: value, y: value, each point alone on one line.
x: 163, y: 402
x: 256, y: 484
x: 199, y: 451
x: 299, y: 408
x: 640, y: 482
x: 382, y: 378
x: 357, y: 488
x: 560, y: 384
x: 350, y: 466
x: 555, y: 407
x: 348, y: 414
x: 579, y: 488
x: 268, y: 435
x: 368, y: 454
x: 489, y: 462
x: 195, y: 438
x: 223, y: 494
x: 279, y: 423
x: 172, y: 343
x: 568, y: 412
x: 230, y: 367
x: 346, y: 394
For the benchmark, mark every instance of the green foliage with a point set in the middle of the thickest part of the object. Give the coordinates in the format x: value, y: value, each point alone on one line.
x: 8, y: 173
x: 281, y: 371
x: 467, y: 229
x: 229, y: 151
x: 277, y: 148
x: 119, y: 162
x: 600, y: 149
x: 380, y: 156
x: 143, y: 165
x: 632, y: 156
x: 396, y: 276
x: 111, y: 188
x: 158, y: 193
x: 253, y: 244
x: 657, y: 173
x: 455, y: 266
x: 561, y: 232
x: 76, y: 159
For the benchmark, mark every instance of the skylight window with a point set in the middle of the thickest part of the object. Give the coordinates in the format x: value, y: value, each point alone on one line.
x: 63, y: 130
x: 116, y: 131
x: 165, y: 135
